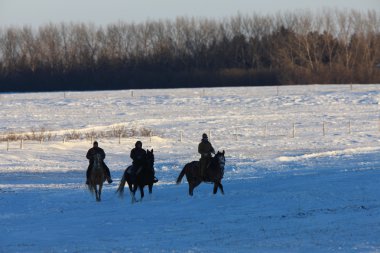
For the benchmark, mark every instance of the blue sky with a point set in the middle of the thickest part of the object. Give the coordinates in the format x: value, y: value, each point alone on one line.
x: 102, y: 12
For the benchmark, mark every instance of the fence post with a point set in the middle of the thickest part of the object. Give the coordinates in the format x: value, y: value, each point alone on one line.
x: 265, y: 130
x: 277, y: 91
x: 21, y: 143
x: 349, y: 127
x: 131, y: 93
x: 150, y: 135
x: 7, y: 144
x: 294, y: 130
x: 324, y: 129
x: 64, y: 139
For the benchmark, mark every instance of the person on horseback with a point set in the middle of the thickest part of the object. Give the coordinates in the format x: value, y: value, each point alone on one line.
x: 90, y: 154
x: 205, y: 149
x: 139, y: 155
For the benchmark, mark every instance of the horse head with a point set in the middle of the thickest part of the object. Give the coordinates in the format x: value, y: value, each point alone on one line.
x: 219, y: 160
x: 149, y: 157
x: 149, y: 162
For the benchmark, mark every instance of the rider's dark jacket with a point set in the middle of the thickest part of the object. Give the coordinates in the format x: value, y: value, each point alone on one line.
x: 93, y: 151
x: 205, y: 149
x: 138, y: 156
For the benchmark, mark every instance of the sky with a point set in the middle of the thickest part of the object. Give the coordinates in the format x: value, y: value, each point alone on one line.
x: 100, y: 12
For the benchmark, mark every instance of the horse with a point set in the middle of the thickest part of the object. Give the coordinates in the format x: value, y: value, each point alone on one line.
x: 143, y: 178
x: 213, y: 174
x: 97, y: 177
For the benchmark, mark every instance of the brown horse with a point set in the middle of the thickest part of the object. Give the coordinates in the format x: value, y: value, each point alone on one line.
x: 213, y: 174
x: 97, y: 177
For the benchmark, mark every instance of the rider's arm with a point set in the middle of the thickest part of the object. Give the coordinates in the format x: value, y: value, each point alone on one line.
x: 212, y: 150
x: 88, y: 156
x: 103, y: 154
x: 200, y: 149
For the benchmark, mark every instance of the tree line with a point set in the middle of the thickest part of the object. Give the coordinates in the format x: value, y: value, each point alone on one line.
x: 303, y: 47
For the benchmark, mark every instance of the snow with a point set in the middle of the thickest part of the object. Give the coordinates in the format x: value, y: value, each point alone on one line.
x: 318, y: 191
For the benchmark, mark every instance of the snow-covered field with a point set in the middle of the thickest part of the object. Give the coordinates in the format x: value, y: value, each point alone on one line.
x: 302, y: 171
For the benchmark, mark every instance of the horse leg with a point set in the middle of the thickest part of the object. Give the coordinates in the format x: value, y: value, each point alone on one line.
x: 100, y: 191
x: 130, y: 187
x: 141, y: 192
x: 215, y: 188
x: 133, y: 198
x: 150, y: 188
x: 133, y: 193
x: 191, y: 189
x: 221, y: 188
x: 96, y: 193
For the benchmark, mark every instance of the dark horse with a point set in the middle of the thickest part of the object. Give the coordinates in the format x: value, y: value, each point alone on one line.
x: 97, y: 177
x: 213, y: 174
x: 145, y: 177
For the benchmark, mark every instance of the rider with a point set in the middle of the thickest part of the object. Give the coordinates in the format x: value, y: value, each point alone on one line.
x: 90, y: 154
x: 138, y: 155
x: 205, y: 149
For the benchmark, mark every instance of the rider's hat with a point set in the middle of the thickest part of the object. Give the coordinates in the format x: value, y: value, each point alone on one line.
x: 95, y: 143
x: 204, y: 136
x: 138, y: 143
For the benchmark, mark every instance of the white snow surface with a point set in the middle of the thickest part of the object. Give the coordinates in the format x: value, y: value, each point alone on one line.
x: 311, y: 188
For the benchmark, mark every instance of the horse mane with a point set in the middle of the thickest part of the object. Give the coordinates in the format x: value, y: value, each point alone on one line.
x: 214, y: 160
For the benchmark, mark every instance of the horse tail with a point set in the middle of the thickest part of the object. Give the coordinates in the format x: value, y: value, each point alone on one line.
x: 120, y: 189
x: 179, y: 179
